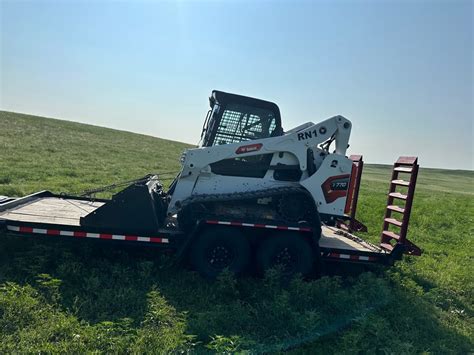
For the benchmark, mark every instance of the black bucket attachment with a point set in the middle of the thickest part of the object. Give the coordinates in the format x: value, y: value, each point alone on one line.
x: 138, y: 209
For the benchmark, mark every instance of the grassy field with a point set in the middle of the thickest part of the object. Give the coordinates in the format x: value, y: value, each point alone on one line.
x: 70, y: 297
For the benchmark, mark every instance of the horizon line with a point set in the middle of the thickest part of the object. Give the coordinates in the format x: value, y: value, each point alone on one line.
x: 193, y: 144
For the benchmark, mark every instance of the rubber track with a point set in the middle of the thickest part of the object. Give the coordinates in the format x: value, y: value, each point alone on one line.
x: 242, y: 196
x: 236, y: 196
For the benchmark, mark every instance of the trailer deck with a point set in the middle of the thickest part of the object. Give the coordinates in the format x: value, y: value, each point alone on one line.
x: 52, y: 210
x: 335, y: 238
x: 47, y: 214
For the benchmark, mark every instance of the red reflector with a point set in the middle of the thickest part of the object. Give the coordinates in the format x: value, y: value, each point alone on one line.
x: 249, y: 148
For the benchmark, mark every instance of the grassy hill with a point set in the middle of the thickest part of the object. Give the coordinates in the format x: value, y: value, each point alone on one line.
x: 70, y: 297
x: 39, y: 153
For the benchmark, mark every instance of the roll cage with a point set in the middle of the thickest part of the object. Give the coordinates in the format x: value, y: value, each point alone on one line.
x: 235, y: 118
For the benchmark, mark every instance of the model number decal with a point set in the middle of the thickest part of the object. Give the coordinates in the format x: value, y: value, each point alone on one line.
x: 335, y: 187
x: 340, y: 185
x: 307, y: 135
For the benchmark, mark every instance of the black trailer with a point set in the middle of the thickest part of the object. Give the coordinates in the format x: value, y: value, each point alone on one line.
x: 211, y: 242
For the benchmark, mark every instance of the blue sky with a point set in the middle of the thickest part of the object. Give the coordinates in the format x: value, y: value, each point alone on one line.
x: 401, y: 71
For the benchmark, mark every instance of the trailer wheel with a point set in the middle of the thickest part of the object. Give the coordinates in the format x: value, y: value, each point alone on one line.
x: 220, y: 248
x: 287, y: 250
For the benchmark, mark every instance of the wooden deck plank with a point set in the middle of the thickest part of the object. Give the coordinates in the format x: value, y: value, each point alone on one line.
x: 331, y: 240
x: 52, y: 210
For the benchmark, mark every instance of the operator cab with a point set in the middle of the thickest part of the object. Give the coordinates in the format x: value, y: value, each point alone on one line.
x: 235, y: 118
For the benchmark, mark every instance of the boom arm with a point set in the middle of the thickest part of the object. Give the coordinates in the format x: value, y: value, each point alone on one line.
x: 336, y: 129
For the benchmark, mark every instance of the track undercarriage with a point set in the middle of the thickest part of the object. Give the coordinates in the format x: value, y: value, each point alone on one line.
x: 288, y: 205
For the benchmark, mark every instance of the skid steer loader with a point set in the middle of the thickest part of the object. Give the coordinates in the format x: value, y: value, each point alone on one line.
x: 249, y: 191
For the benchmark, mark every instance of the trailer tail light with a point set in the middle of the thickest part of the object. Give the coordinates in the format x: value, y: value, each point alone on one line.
x: 249, y: 148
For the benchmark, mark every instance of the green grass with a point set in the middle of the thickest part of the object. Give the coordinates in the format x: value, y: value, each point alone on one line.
x: 71, y: 297
x: 39, y: 153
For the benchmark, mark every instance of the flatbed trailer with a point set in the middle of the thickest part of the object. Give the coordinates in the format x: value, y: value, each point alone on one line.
x: 56, y: 216
x: 49, y: 215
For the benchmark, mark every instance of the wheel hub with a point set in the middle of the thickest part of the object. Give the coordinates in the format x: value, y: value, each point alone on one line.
x: 286, y: 259
x: 220, y: 257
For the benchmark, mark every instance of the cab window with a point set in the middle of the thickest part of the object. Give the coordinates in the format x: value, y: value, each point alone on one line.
x: 242, y: 123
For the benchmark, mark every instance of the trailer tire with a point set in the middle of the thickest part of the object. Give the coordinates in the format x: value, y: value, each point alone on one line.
x: 290, y: 250
x: 219, y: 248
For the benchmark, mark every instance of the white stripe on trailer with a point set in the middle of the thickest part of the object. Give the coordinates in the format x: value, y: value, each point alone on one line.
x: 248, y: 225
x: 67, y: 233
x: 40, y: 231
x: 270, y: 226
x: 118, y: 237
x: 13, y: 228
x: 92, y: 235
x: 165, y: 240
x: 293, y: 228
x: 349, y: 256
x: 143, y: 239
